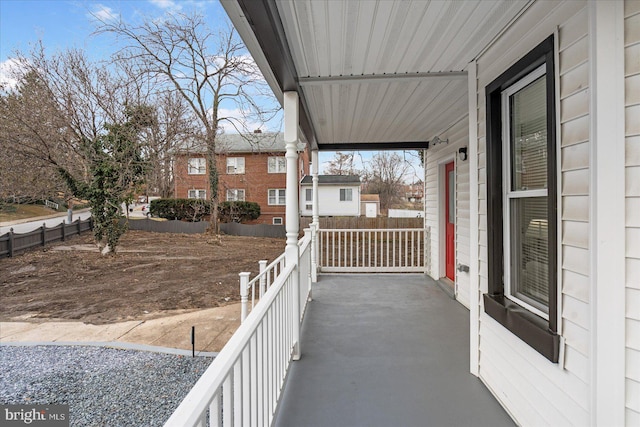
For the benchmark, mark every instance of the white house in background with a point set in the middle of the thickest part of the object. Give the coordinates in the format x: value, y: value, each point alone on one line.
x: 370, y: 205
x: 338, y: 195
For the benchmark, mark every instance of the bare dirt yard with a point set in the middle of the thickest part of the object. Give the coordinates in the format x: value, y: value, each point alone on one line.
x: 152, y: 275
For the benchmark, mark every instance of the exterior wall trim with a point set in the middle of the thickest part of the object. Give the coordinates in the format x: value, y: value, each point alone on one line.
x: 474, y: 280
x: 441, y: 213
x: 607, y: 212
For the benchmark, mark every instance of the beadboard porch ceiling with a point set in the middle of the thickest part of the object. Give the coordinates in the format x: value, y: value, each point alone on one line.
x: 371, y: 74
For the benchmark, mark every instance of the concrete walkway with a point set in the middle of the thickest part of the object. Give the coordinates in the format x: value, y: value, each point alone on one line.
x: 385, y: 350
x: 213, y: 328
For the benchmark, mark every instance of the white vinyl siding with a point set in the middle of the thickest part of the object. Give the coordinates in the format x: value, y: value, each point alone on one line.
x: 458, y: 137
x: 632, y: 133
x: 330, y: 200
x: 534, y: 390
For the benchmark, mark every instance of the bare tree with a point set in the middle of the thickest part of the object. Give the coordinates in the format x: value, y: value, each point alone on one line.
x: 342, y: 164
x: 385, y: 175
x: 204, y: 69
x: 81, y: 120
x: 170, y: 125
x: 23, y: 177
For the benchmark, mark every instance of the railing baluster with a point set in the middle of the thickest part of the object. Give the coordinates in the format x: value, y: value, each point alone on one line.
x: 214, y: 412
x: 375, y: 248
x: 227, y: 402
x: 246, y: 386
x: 270, y: 377
x: 254, y: 381
x: 237, y: 393
x: 260, y: 374
x: 369, y: 248
x: 393, y: 250
x: 351, y: 248
x: 333, y: 249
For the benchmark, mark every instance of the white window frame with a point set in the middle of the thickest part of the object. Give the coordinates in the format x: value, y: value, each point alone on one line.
x: 277, y: 164
x: 235, y: 195
x: 279, y: 196
x: 277, y: 220
x: 508, y: 194
x: 347, y: 193
x: 235, y: 165
x: 197, y: 194
x: 197, y: 166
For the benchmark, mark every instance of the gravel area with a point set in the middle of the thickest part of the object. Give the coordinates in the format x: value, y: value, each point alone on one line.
x: 102, y: 386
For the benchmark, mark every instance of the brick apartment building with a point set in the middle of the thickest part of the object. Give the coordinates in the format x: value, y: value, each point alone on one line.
x: 251, y: 167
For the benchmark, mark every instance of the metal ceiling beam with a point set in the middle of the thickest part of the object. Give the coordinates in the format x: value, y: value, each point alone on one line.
x: 366, y: 78
x: 265, y: 22
x: 374, y: 146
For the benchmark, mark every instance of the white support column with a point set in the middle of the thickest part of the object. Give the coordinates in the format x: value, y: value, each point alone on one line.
x: 427, y: 234
x: 474, y: 277
x: 607, y: 213
x: 292, y: 225
x: 315, y: 224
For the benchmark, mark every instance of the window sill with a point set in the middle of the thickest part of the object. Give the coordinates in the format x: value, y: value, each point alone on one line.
x: 530, y: 328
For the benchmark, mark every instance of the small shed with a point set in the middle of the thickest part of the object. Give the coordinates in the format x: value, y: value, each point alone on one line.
x: 370, y: 205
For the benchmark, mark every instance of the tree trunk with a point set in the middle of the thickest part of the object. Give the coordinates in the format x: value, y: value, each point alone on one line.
x: 212, y: 167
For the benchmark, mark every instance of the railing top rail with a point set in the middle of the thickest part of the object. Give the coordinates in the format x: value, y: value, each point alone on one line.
x: 305, y: 241
x: 266, y: 270
x: 197, y: 401
x: 374, y: 229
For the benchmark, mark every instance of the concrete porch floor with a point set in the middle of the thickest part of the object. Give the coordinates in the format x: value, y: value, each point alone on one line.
x: 385, y: 350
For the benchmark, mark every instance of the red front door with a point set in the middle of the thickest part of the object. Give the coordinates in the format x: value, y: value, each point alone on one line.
x: 450, y: 219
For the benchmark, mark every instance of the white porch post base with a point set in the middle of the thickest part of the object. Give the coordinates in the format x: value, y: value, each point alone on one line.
x: 293, y: 218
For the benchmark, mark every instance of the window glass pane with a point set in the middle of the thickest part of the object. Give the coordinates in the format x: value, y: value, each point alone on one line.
x: 530, y: 251
x: 346, y: 194
x: 282, y: 200
x: 308, y: 194
x: 528, y: 108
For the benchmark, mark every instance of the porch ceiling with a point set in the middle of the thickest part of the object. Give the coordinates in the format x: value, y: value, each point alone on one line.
x: 370, y: 73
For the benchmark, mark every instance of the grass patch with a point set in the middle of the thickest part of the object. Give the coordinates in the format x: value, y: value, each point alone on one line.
x: 12, y: 212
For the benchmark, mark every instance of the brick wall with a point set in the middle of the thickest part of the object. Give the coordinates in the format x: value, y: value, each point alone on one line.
x: 256, y: 181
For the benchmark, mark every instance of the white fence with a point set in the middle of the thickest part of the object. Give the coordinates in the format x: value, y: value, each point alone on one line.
x: 373, y: 250
x: 243, y: 383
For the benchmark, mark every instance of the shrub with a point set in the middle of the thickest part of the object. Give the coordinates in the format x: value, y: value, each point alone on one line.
x: 238, y: 211
x: 198, y: 210
x: 181, y: 209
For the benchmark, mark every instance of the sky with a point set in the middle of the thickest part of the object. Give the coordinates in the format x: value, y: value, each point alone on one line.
x: 62, y: 24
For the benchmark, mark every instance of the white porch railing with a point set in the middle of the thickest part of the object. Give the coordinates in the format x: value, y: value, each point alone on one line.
x: 264, y: 280
x: 242, y: 385
x: 401, y: 250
